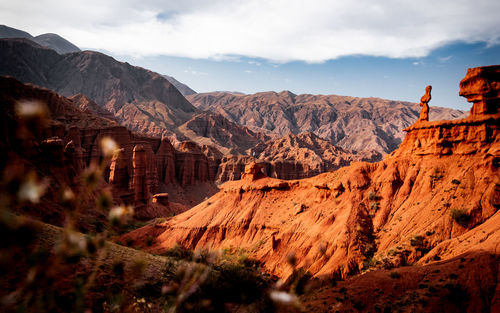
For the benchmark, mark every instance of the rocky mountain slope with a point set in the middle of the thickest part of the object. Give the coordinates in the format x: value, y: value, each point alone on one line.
x: 141, y: 100
x: 434, y: 200
x: 10, y: 32
x: 51, y: 41
x: 56, y: 42
x: 183, y: 88
x: 215, y: 130
x: 348, y: 122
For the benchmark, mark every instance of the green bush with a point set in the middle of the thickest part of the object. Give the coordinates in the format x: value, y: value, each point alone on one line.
x: 460, y: 216
x: 394, y: 275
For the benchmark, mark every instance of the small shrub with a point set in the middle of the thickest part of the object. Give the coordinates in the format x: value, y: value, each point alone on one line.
x: 455, y: 182
x: 417, y: 242
x: 394, y: 275
x: 369, y: 262
x: 179, y: 252
x: 372, y: 196
x: 460, y: 216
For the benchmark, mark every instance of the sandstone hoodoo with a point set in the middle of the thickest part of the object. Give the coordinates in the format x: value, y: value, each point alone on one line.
x: 424, y: 103
x: 72, y: 141
x: 253, y: 171
x: 481, y: 86
x: 434, y: 199
x: 161, y: 198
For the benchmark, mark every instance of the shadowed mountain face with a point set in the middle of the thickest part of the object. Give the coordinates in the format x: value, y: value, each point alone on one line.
x: 349, y: 122
x: 51, y: 41
x: 141, y: 100
x: 9, y: 32
x: 184, y: 89
x: 57, y: 43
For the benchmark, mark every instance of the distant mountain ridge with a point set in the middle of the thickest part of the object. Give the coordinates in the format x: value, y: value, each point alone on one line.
x: 349, y: 122
x: 49, y: 40
x: 140, y: 99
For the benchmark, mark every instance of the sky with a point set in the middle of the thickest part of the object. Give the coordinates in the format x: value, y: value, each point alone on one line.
x: 389, y: 49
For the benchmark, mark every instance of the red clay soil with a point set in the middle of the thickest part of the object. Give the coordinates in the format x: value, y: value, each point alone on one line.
x: 467, y: 283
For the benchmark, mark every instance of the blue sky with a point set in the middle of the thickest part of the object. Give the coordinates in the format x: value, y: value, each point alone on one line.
x: 360, y: 76
x: 387, y: 48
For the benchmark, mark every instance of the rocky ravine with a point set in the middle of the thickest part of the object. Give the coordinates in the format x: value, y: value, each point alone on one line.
x: 435, y: 198
x: 348, y: 122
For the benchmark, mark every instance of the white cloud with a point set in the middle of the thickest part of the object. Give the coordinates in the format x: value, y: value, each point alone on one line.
x: 190, y: 70
x: 280, y: 30
x: 445, y: 59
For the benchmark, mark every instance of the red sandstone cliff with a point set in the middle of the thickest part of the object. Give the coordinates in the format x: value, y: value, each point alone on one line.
x: 434, y: 198
x: 70, y: 141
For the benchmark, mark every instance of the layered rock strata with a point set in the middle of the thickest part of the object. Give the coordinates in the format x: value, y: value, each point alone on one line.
x: 434, y: 198
x: 71, y: 140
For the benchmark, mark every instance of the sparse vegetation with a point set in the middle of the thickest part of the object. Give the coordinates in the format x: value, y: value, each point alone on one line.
x: 417, y: 242
x: 460, y: 216
x: 372, y: 196
x: 395, y: 275
x: 436, y: 175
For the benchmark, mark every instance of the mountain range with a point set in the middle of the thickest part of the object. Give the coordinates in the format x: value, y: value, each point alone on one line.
x: 49, y: 40
x: 150, y: 104
x: 349, y: 122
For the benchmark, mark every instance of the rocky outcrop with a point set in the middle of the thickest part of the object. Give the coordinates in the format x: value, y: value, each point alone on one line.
x: 433, y: 199
x: 214, y: 157
x: 347, y: 122
x: 232, y: 166
x: 191, y: 165
x: 165, y: 160
x: 481, y: 86
x: 293, y: 157
x: 477, y: 134
x: 253, y: 171
x: 139, y: 179
x: 161, y: 198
